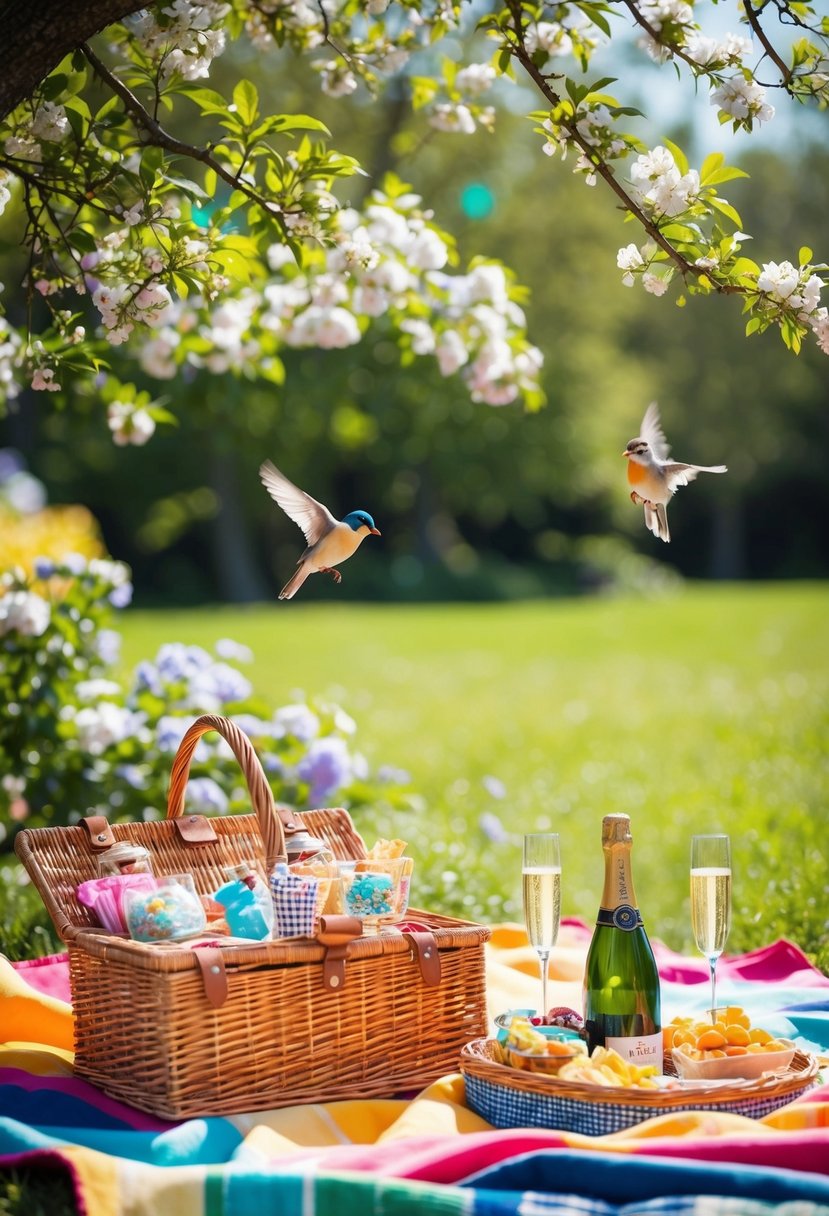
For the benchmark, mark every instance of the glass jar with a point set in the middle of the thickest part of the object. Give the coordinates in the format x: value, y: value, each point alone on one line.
x: 125, y: 858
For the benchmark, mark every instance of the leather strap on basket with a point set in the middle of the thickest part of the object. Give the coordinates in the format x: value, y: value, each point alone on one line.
x: 425, y: 950
x: 270, y: 825
x: 213, y: 974
x: 336, y: 933
x: 100, y: 833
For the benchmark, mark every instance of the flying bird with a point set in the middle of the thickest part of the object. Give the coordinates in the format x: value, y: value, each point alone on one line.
x: 653, y: 477
x: 330, y: 540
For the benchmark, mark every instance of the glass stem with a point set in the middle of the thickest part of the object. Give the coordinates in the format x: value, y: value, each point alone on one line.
x: 544, y: 958
x: 712, y: 963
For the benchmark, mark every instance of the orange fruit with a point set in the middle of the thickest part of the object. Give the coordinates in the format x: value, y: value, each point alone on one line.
x: 735, y: 1050
x: 737, y: 1035
x: 760, y: 1036
x: 710, y: 1039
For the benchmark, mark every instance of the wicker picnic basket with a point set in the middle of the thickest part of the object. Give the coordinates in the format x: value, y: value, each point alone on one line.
x: 511, y: 1097
x: 184, y: 1032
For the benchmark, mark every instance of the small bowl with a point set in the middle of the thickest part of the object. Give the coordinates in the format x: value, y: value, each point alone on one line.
x: 733, y: 1068
x: 503, y: 1021
x: 529, y: 1061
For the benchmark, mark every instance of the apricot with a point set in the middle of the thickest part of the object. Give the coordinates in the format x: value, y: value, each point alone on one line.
x: 736, y: 1035
x: 735, y: 1014
x: 711, y: 1039
x: 759, y: 1036
x: 734, y: 1049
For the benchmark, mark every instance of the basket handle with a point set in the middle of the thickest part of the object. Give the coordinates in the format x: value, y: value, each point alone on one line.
x: 270, y: 825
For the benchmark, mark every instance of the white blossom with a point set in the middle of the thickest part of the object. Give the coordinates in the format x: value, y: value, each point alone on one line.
x: 130, y: 424
x: 447, y: 116
x: 475, y: 78
x: 628, y: 259
x: 99, y: 727
x: 654, y: 283
x: 43, y: 379
x: 24, y: 148
x: 549, y: 36
x: 451, y: 352
x: 50, y: 123
x: 5, y: 192
x: 779, y: 279
x: 744, y: 100
x: 24, y: 612
x: 337, y: 80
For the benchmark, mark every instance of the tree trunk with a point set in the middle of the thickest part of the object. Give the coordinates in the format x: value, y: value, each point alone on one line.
x: 239, y: 577
x: 38, y: 33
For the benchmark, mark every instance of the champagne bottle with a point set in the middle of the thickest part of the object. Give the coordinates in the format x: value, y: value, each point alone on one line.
x: 621, y: 982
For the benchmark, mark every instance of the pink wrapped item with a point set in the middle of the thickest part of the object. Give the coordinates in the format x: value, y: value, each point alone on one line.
x: 106, y: 897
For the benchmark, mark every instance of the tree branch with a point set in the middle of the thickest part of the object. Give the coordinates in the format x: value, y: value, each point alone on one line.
x: 754, y: 22
x: 604, y: 170
x: 158, y: 135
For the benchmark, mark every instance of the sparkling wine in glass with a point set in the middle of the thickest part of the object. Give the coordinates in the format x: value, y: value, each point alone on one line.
x: 711, y: 901
x: 541, y: 882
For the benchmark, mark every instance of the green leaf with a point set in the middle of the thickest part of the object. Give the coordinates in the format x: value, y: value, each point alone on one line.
x: 805, y: 255
x: 246, y: 100
x: 208, y: 100
x: 728, y: 174
x: 710, y: 165
x: 727, y: 209
x: 181, y: 286
x: 678, y: 155
x: 752, y: 326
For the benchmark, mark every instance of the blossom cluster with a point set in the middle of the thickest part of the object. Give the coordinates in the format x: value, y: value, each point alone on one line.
x: 181, y: 38
x: 388, y: 260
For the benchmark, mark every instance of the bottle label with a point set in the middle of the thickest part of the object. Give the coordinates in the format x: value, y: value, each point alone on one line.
x: 621, y: 917
x: 646, y: 1049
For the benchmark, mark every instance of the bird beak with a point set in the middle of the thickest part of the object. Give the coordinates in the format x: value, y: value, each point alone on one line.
x: 626, y: 453
x: 375, y: 532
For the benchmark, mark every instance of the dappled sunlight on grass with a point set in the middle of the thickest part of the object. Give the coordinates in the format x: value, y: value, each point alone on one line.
x: 703, y: 712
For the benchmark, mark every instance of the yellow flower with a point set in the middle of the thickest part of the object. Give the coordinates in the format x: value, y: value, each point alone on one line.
x: 53, y: 532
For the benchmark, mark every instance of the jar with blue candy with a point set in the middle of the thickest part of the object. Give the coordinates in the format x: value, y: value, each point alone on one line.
x: 376, y: 891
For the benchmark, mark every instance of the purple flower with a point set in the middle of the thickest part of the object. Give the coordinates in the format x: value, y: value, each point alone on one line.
x: 11, y: 462
x: 119, y: 597
x: 296, y: 720
x: 226, y: 648
x: 204, y: 796
x: 326, y: 766
x: 108, y: 646
x: 176, y: 661
x: 146, y: 677
x: 44, y: 567
x: 134, y: 775
x: 271, y: 763
x: 494, y: 786
x: 394, y: 776
x: 492, y: 828
x: 230, y: 684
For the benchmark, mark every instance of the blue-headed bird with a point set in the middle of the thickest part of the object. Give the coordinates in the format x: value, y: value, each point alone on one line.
x: 330, y: 540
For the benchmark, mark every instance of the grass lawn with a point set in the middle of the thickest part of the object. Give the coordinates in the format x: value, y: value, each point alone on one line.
x: 703, y: 712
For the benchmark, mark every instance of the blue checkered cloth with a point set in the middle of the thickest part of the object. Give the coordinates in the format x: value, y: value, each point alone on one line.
x: 294, y: 902
x: 505, y: 1106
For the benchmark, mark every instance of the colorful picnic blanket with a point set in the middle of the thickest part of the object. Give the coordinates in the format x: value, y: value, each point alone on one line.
x: 430, y: 1155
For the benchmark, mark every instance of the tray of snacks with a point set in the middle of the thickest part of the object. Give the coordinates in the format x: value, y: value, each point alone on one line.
x: 544, y: 1076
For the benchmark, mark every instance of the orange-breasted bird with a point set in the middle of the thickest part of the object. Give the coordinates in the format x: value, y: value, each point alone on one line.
x: 653, y: 477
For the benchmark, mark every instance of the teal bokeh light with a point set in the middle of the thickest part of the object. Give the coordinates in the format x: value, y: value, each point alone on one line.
x: 477, y: 200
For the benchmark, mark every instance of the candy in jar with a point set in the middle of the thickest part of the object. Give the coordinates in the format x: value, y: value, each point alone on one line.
x: 172, y: 911
x: 125, y: 858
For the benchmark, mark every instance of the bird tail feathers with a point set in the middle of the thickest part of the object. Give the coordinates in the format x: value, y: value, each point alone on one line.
x: 711, y: 468
x: 656, y: 519
x: 295, y: 581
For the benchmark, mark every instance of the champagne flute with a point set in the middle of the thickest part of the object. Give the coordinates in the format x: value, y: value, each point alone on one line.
x: 541, y: 883
x: 711, y: 901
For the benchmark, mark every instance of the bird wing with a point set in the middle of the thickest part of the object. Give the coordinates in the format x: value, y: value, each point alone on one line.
x: 677, y: 475
x: 651, y: 431
x: 314, y: 518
